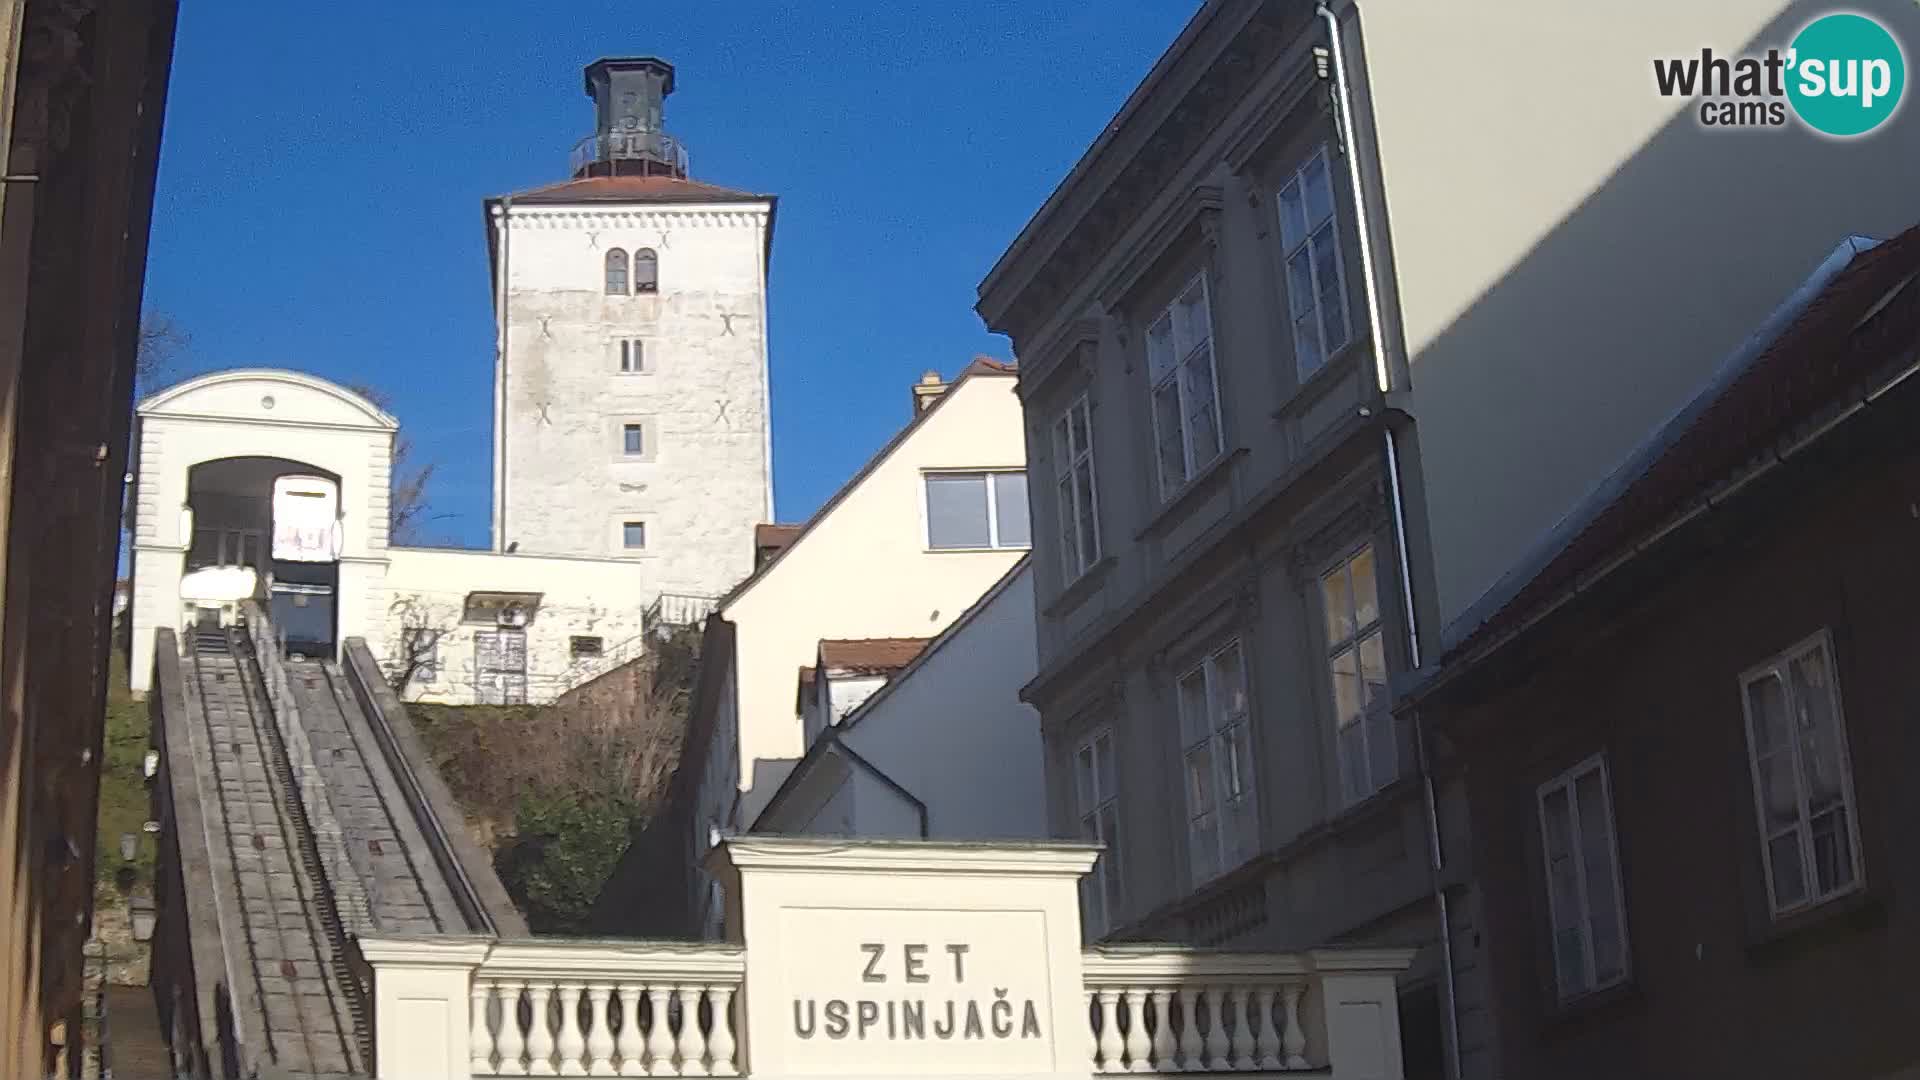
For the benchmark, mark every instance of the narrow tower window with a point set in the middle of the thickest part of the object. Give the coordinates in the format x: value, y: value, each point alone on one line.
x: 616, y: 272
x: 646, y: 271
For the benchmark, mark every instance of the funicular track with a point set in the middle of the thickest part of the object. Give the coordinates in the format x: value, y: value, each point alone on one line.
x: 312, y: 1009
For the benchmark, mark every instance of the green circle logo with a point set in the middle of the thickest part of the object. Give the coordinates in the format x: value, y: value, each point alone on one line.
x: 1846, y: 75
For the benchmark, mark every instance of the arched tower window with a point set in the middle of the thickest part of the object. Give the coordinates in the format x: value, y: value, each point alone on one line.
x: 616, y: 272
x: 646, y: 271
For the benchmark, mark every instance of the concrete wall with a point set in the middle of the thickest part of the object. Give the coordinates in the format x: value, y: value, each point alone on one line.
x: 953, y: 731
x: 864, y: 569
x: 1577, y: 253
x: 244, y: 413
x: 704, y: 480
x: 427, y: 587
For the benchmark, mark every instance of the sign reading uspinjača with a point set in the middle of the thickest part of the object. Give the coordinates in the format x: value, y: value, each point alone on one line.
x: 870, y: 992
x: 911, y: 1008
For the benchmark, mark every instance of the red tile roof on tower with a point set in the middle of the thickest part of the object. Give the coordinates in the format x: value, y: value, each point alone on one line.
x: 659, y: 189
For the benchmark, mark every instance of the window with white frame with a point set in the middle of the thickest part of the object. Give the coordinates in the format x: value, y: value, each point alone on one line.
x: 1583, y: 879
x: 1222, y: 828
x: 973, y: 510
x: 616, y: 263
x: 1186, y: 409
x: 1316, y: 281
x: 1357, y: 669
x: 1802, y: 777
x: 633, y: 356
x: 1079, y: 507
x: 1096, y: 791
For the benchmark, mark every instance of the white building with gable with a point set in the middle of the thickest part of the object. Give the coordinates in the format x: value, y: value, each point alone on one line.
x: 631, y: 448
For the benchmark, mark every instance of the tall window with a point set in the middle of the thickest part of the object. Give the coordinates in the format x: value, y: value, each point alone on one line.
x: 1073, y: 479
x: 1096, y: 790
x: 1357, y: 666
x: 1316, y: 289
x: 1186, y: 412
x: 977, y: 510
x: 646, y: 271
x: 1802, y: 780
x: 1221, y: 825
x: 616, y: 272
x: 1583, y: 879
x: 633, y: 356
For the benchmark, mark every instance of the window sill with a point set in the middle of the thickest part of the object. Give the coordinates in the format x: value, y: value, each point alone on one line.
x: 1082, y: 587
x: 1562, y: 1015
x: 975, y: 550
x: 1206, y: 480
x: 1860, y: 909
x: 1315, y: 386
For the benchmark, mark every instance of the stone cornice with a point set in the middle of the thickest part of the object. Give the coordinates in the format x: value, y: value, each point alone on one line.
x: 812, y: 855
x: 635, y: 217
x: 1073, y: 350
x: 1022, y: 301
x: 1199, y: 208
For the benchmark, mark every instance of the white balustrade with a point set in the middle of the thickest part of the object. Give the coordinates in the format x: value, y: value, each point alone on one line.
x: 606, y: 1008
x: 1169, y: 1009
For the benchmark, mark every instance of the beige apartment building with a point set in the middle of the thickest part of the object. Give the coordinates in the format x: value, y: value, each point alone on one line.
x: 1329, y: 327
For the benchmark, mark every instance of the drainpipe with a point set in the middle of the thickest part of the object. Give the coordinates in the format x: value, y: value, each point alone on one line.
x: 500, y: 380
x: 1343, y: 97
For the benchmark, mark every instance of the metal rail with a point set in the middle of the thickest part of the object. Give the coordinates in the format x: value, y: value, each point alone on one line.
x: 286, y: 911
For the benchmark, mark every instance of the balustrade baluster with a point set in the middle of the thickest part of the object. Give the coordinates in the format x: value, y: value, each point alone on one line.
x: 572, y: 1044
x: 1110, y: 1045
x: 540, y: 1031
x: 692, y: 1044
x: 1093, y: 1030
x: 600, y: 1038
x: 722, y: 1042
x: 1216, y: 1027
x: 512, y: 1042
x: 1267, y: 1039
x: 1162, y: 1051
x: 659, y: 1036
x: 1136, y: 1034
x: 479, y: 1035
x: 1190, y: 1046
x: 632, y: 1044
x: 1293, y: 1041
x: 1243, y: 1057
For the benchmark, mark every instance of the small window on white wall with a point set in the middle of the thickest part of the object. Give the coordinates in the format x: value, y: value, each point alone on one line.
x: 633, y: 440
x: 633, y: 356
x: 973, y: 510
x: 633, y: 535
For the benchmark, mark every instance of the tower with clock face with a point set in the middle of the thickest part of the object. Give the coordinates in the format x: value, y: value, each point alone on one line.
x: 631, y: 376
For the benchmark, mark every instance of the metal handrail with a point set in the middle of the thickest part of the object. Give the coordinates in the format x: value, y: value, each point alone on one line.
x: 630, y: 146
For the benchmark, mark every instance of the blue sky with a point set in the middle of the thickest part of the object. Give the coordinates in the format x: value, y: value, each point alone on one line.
x: 324, y: 165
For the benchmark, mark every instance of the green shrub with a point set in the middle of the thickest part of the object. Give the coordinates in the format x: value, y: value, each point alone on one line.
x: 566, y: 843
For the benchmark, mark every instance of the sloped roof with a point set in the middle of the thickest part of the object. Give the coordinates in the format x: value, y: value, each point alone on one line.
x: 1798, y: 361
x: 869, y: 656
x: 768, y: 537
x: 979, y: 366
x: 621, y: 189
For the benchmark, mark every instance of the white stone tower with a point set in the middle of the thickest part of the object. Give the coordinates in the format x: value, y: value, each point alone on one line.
x: 631, y: 383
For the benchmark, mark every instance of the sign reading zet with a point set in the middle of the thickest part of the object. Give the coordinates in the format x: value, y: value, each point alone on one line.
x: 963, y: 990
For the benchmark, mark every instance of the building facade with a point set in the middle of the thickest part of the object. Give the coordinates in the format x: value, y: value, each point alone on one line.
x: 632, y: 383
x: 1689, y: 800
x: 905, y: 547
x: 939, y: 748
x: 1303, y: 374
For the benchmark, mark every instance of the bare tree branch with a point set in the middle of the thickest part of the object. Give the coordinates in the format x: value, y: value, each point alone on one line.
x: 408, y: 507
x: 162, y: 341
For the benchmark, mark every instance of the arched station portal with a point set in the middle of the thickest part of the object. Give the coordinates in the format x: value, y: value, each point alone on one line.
x: 266, y: 529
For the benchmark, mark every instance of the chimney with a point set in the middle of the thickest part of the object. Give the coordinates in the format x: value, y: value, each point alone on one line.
x: 927, y: 391
x: 629, y: 136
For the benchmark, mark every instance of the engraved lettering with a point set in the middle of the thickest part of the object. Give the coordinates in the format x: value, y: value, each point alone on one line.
x: 944, y: 1030
x: 974, y: 1030
x: 959, y: 967
x: 836, y: 1019
x: 874, y: 952
x: 916, y: 960
x: 913, y: 1019
x: 1030, y: 1027
x: 868, y: 1013
x: 1002, y: 1011
x: 803, y: 1023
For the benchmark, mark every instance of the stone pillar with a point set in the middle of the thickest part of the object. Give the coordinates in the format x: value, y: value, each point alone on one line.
x: 422, y: 1004
x: 1361, y: 1012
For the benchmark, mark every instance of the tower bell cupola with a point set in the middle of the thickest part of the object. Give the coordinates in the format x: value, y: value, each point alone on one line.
x: 629, y: 137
